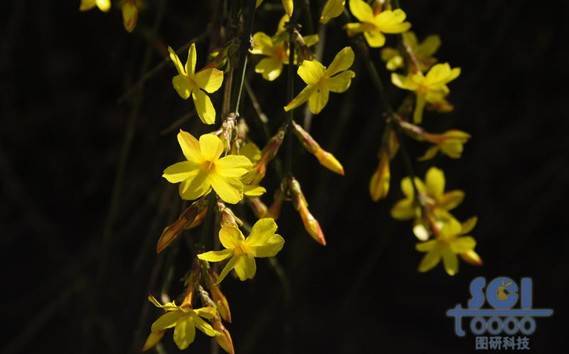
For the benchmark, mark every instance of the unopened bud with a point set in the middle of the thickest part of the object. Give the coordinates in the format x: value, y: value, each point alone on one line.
x: 189, y: 218
x: 311, y: 225
x: 471, y: 257
x: 224, y: 339
x: 129, y: 14
x: 379, y: 183
x: 227, y: 217
x: 325, y: 158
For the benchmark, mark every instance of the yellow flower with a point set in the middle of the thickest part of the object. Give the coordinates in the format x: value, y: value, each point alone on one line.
x: 332, y: 9
x: 450, y: 143
x: 288, y: 6
x: 374, y: 25
x: 321, y: 80
x: 206, y: 169
x: 185, y: 320
x: 103, y: 5
x: 431, y: 88
x: 422, y: 52
x: 432, y: 192
x: 448, y: 245
x: 189, y: 83
x: 241, y: 251
x: 275, y: 50
x: 129, y: 9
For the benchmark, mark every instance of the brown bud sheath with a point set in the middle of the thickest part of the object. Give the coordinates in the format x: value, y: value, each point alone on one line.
x: 186, y: 219
x: 275, y: 208
x: 311, y: 225
x: 258, y: 207
x: 218, y: 297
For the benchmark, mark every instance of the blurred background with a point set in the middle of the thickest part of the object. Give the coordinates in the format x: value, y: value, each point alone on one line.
x: 77, y: 271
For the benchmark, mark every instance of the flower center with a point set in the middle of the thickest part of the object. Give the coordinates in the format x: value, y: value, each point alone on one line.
x: 208, y: 166
x: 241, y: 249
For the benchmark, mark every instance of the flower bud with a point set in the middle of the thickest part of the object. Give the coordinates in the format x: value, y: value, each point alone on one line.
x: 325, y: 158
x: 379, y: 183
x: 129, y: 14
x: 186, y: 220
x: 224, y: 339
x: 275, y: 208
x: 471, y: 257
x: 267, y: 154
x: 311, y: 225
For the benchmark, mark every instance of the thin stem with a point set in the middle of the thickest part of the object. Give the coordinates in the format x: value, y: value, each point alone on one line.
x: 244, y: 51
x: 290, y: 88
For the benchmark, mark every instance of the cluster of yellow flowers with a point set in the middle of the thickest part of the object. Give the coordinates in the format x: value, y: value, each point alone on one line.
x: 225, y: 166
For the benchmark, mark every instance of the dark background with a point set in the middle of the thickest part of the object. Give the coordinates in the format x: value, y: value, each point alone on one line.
x: 69, y: 289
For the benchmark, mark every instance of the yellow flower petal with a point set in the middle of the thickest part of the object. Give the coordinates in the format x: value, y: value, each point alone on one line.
x: 262, y: 44
x: 311, y: 71
x: 288, y: 6
x: 269, y: 248
x: 192, y: 60
x: 262, y: 230
x: 253, y: 191
x: 215, y: 256
x: 426, y: 246
x: 195, y: 186
x: 429, y: 46
x: 302, y: 97
x: 185, y: 332
x: 392, y: 21
x: 408, y: 189
x: 230, y: 190
x: 441, y: 74
x: 341, y: 82
x: 463, y: 244
x: 228, y: 268
x: 182, y: 85
x: 230, y: 237
x: 245, y: 267
x: 403, y: 82
x: 318, y: 99
x: 232, y: 166
x: 211, y: 147
x: 190, y: 146
x: 361, y: 10
x: 429, y: 261
x: 451, y: 200
x: 167, y: 320
x: 403, y: 210
x: 205, y: 327
x: 435, y: 182
x: 468, y: 225
x: 209, y: 80
x: 342, y: 61
x: 180, y: 171
x: 375, y: 39
x: 270, y: 68
x: 451, y: 262
x: 176, y: 60
x: 332, y: 9
x: 204, y: 107
x: 451, y: 228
